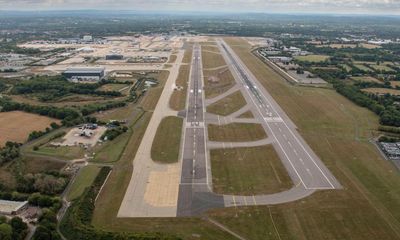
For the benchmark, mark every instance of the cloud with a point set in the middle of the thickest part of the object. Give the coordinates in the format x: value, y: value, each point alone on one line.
x: 348, y: 6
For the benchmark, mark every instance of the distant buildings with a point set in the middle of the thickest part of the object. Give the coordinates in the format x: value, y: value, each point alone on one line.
x: 87, y: 38
x: 84, y: 74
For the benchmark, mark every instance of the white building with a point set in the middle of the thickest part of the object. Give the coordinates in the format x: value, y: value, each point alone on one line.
x: 11, y: 207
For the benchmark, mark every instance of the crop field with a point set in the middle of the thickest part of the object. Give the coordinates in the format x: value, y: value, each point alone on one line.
x: 217, y: 81
x: 380, y: 91
x: 166, y: 143
x: 337, y: 45
x: 368, y: 207
x: 370, y: 46
x: 248, y: 171
x: 381, y: 67
x: 16, y: 126
x: 236, y: 132
x: 227, y: 105
x: 312, y: 58
x: 178, y: 98
x: 366, y: 79
x: 363, y: 67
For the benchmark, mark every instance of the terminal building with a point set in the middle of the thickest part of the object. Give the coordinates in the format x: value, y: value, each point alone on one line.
x: 86, y: 74
x: 114, y: 57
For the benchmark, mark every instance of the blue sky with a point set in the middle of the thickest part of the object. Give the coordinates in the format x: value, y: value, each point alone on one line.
x: 306, y: 6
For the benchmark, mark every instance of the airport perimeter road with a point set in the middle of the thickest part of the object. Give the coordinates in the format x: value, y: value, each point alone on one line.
x: 302, y: 163
x: 194, y: 190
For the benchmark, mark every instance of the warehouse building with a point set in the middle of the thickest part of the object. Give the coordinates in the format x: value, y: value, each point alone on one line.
x: 87, y: 74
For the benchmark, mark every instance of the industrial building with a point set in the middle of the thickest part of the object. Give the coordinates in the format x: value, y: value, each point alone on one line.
x: 114, y: 57
x: 86, y: 74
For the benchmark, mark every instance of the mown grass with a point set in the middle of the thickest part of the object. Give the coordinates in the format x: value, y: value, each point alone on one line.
x: 339, y: 132
x: 178, y: 98
x: 217, y: 82
x: 212, y: 59
x: 85, y: 178
x: 248, y: 171
x: 166, y: 143
x: 236, y: 132
x: 227, y: 105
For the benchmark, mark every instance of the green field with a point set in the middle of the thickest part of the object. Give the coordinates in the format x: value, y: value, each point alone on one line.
x: 84, y: 179
x: 363, y: 67
x: 227, y: 105
x: 178, y: 98
x: 217, y: 82
x: 312, y: 58
x: 248, y: 171
x: 111, y: 151
x: 236, y: 132
x: 166, y: 143
x: 339, y: 131
x: 366, y: 79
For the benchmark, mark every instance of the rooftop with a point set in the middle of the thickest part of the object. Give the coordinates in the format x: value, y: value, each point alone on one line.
x: 8, y: 207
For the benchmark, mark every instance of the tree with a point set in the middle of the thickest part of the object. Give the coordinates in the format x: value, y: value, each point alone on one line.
x: 19, y: 228
x: 5, y: 232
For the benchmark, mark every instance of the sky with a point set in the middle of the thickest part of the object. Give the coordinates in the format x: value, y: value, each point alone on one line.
x: 391, y: 7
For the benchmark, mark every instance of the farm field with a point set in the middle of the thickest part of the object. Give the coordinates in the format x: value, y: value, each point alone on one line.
x: 395, y: 84
x: 236, y: 132
x: 363, y: 67
x: 339, y: 133
x: 248, y: 171
x: 382, y: 91
x: 312, y: 58
x: 166, y: 143
x: 227, y: 105
x: 16, y: 126
x: 366, y: 79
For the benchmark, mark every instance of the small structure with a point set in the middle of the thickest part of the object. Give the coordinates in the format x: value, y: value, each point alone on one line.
x: 12, y: 207
x: 114, y: 57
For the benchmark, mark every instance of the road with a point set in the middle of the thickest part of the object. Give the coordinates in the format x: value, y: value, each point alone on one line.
x: 302, y: 163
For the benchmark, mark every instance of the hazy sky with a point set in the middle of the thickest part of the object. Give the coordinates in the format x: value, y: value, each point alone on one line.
x: 321, y: 6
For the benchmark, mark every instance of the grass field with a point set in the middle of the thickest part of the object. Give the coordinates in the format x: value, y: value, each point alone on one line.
x: 248, y: 171
x: 346, y: 67
x: 312, y: 58
x: 395, y: 84
x: 217, y: 82
x: 247, y: 114
x: 113, y: 87
x: 61, y: 152
x: 110, y: 151
x: 363, y: 67
x: 149, y: 103
x: 85, y: 178
x: 178, y: 98
x: 212, y: 60
x: 366, y: 79
x: 337, y: 45
x: 16, y: 126
x: 369, y: 46
x: 227, y: 105
x: 236, y: 132
x: 166, y: 143
x: 382, y: 91
x: 339, y: 131
x: 120, y: 114
x: 172, y: 58
x: 187, y: 56
x: 381, y: 67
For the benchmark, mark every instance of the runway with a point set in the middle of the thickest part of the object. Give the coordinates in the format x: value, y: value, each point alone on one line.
x: 302, y: 163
